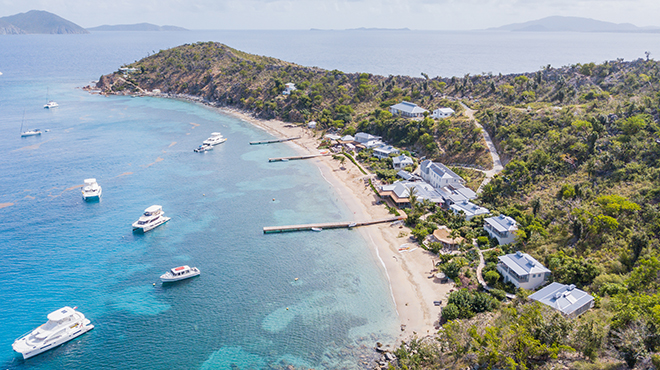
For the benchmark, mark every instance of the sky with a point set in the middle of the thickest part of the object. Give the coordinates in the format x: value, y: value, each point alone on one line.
x: 336, y: 14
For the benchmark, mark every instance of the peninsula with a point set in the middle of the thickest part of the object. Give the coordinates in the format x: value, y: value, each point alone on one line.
x: 578, y: 195
x: 38, y: 21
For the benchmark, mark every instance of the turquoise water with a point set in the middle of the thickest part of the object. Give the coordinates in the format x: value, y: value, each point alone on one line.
x: 246, y: 309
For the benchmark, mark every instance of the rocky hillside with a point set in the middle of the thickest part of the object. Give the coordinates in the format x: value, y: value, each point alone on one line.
x: 38, y: 21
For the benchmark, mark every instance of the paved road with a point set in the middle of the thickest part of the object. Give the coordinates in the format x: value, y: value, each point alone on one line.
x: 497, y: 164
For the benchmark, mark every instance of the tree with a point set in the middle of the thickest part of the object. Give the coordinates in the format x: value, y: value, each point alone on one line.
x: 491, y: 277
x: 450, y: 312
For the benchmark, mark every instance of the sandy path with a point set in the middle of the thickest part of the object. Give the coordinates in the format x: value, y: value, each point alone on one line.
x: 408, y: 271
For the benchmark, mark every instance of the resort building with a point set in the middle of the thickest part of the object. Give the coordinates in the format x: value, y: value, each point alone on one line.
x: 399, y: 192
x: 503, y: 228
x: 363, y: 137
x: 522, y: 270
x: 402, y: 162
x: 289, y: 88
x: 438, y: 175
x: 347, y: 138
x: 468, y: 209
x: 385, y: 151
x: 567, y: 299
x: 408, y: 176
x: 407, y: 109
x: 457, y: 194
x: 442, y: 113
x: 442, y: 235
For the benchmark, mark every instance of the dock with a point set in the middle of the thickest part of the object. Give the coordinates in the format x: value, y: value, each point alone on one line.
x: 273, y: 141
x: 286, y: 159
x: 327, y: 225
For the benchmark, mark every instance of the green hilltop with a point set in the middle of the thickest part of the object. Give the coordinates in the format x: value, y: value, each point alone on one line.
x: 581, y: 145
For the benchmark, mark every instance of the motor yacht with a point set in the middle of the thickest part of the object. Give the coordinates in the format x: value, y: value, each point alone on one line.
x: 215, y: 139
x: 32, y: 132
x: 62, y: 326
x: 152, y: 218
x: 51, y: 104
x: 179, y: 273
x: 91, y: 190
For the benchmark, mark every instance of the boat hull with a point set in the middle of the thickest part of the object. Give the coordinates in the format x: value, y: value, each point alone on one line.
x: 27, y: 353
x: 167, y: 278
x: 145, y: 228
x: 92, y: 197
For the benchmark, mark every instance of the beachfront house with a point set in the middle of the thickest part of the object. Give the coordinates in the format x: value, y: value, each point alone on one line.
x: 289, y: 88
x: 407, y: 109
x: 468, y: 209
x: 443, y: 236
x: 402, y: 162
x: 453, y: 194
x: 503, y: 228
x: 567, y: 299
x: 442, y: 113
x: 399, y: 192
x: 522, y: 270
x: 438, y: 175
x: 384, y: 151
x: 363, y: 137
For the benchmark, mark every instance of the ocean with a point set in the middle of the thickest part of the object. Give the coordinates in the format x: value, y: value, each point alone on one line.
x: 247, y: 309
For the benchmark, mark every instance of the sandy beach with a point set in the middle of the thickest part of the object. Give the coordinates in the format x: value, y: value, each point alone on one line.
x: 413, y: 287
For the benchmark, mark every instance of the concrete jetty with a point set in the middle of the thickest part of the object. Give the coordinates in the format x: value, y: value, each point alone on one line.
x: 327, y: 225
x: 274, y: 141
x: 285, y: 159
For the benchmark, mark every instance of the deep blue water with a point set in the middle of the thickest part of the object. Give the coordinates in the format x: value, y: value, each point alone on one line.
x: 57, y: 250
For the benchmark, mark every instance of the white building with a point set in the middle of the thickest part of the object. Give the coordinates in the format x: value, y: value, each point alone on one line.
x: 407, y: 109
x: 438, y: 175
x: 402, y: 162
x: 468, y: 209
x: 567, y: 299
x: 503, y: 228
x: 457, y: 194
x: 384, y: 151
x: 442, y: 113
x: 522, y: 270
x: 311, y: 124
x: 289, y: 88
x: 363, y: 137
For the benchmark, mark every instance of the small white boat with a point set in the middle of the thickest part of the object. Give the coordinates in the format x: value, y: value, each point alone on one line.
x: 203, y: 148
x: 62, y: 326
x: 317, y: 229
x: 91, y: 190
x: 352, y: 225
x: 215, y: 139
x: 51, y: 104
x: 179, y: 273
x: 32, y: 132
x: 152, y: 218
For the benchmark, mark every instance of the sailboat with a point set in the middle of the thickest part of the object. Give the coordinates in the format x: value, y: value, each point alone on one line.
x: 50, y: 104
x: 33, y: 132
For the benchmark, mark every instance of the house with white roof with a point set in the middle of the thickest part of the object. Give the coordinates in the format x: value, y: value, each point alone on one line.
x: 442, y: 113
x: 457, y: 194
x: 384, y: 151
x: 468, y: 209
x: 399, y: 192
x: 407, y: 109
x: 567, y: 299
x: 402, y: 162
x: 363, y: 137
x: 503, y: 228
x: 522, y: 270
x: 347, y: 138
x: 289, y: 88
x: 438, y: 175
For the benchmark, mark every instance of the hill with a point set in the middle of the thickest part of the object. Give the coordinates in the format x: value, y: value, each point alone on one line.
x: 38, y: 21
x: 572, y: 24
x: 581, y: 147
x: 136, y: 27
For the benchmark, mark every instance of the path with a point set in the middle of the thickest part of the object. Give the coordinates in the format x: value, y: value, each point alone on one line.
x: 480, y: 267
x: 497, y: 164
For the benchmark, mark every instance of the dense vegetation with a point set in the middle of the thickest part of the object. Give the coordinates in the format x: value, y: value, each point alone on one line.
x: 581, y: 145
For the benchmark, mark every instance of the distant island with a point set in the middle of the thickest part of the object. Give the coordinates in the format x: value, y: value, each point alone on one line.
x: 136, y: 27
x: 572, y: 24
x: 38, y: 21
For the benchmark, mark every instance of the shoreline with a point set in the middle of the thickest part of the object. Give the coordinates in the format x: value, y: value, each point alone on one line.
x: 408, y: 272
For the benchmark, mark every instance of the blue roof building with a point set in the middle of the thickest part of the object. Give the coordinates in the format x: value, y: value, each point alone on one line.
x: 407, y: 109
x: 567, y: 299
x: 522, y: 270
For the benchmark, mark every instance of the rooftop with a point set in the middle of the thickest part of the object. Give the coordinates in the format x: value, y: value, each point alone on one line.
x: 523, y: 264
x: 469, y: 209
x: 502, y: 223
x: 408, y: 107
x: 564, y: 298
x: 440, y: 169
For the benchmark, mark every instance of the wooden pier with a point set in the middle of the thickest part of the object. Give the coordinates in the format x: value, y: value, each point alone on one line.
x: 328, y: 225
x: 286, y: 159
x: 274, y: 141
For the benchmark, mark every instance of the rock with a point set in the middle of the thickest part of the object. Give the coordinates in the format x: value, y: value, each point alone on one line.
x: 379, y: 344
